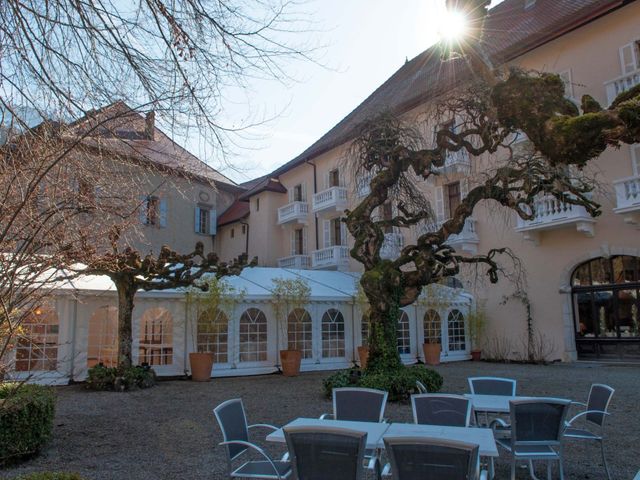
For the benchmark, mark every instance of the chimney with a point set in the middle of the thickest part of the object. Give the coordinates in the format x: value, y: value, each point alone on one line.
x: 150, y: 125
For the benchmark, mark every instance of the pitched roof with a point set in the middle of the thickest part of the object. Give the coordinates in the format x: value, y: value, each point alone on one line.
x: 267, y: 184
x: 236, y: 211
x: 509, y: 31
x: 120, y: 130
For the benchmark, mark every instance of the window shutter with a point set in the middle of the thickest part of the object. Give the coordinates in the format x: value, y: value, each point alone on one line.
x: 197, y: 220
x: 568, y: 83
x: 440, y: 204
x: 213, y: 222
x: 343, y: 233
x: 142, y: 209
x: 464, y: 188
x: 635, y: 158
x: 304, y: 191
x: 163, y: 212
x: 290, y: 193
x: 326, y: 180
x: 304, y: 240
x: 327, y: 233
x: 293, y: 242
x: 628, y: 60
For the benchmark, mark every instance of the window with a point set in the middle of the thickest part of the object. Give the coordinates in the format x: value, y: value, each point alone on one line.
x: 336, y: 232
x: 456, y: 331
x: 205, y: 220
x: 432, y: 327
x: 332, y: 334
x: 103, y: 337
x: 630, y: 57
x: 334, y: 178
x: 297, y: 193
x: 403, y: 333
x: 233, y: 233
x: 453, y: 197
x: 213, y: 334
x: 257, y: 204
x: 299, y: 332
x: 253, y: 336
x: 156, y: 337
x: 387, y: 214
x: 37, y: 348
x: 153, y: 211
x: 298, y: 241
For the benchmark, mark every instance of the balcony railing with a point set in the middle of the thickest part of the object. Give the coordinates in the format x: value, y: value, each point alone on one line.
x: 628, y: 198
x: 299, y: 262
x: 293, y: 212
x: 550, y: 213
x: 621, y: 84
x: 393, y: 244
x: 331, y: 199
x: 467, y: 240
x: 331, y: 258
x: 457, y: 162
x: 363, y: 185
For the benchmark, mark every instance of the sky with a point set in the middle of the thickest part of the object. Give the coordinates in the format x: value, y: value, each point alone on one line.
x: 363, y: 43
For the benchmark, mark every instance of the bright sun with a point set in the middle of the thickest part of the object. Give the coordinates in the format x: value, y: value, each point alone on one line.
x: 453, y: 25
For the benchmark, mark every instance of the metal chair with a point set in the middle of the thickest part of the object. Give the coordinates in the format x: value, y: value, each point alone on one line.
x: 420, y: 386
x: 358, y: 404
x: 441, y: 409
x: 326, y: 453
x: 492, y: 386
x: 537, y: 427
x: 594, y: 414
x: 235, y: 432
x: 418, y: 458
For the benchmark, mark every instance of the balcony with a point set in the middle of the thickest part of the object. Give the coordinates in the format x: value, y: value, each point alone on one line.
x: 456, y: 162
x: 621, y: 84
x: 550, y: 213
x: 294, y: 212
x: 465, y: 241
x: 298, y: 262
x: 628, y: 198
x: 333, y: 199
x: 393, y: 243
x: 331, y: 258
x: 363, y: 185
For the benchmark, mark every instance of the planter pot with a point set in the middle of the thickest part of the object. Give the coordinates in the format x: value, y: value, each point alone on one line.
x: 201, y: 364
x: 290, y: 361
x: 476, y: 355
x: 363, y: 354
x: 432, y: 353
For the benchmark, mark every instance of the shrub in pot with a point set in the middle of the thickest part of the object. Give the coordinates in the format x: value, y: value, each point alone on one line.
x: 432, y: 350
x: 476, y: 323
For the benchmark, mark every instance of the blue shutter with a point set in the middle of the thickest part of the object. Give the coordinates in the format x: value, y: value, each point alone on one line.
x: 213, y: 222
x: 163, y: 212
x: 142, y: 209
x: 197, y: 221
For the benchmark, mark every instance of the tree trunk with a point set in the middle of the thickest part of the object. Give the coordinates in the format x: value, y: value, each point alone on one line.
x: 126, y: 293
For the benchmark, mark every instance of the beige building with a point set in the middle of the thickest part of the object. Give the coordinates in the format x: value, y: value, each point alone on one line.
x: 582, y: 273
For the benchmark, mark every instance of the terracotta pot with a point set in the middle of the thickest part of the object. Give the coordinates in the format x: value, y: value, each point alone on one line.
x: 363, y: 354
x: 432, y: 353
x: 290, y: 361
x: 201, y: 364
x: 476, y: 355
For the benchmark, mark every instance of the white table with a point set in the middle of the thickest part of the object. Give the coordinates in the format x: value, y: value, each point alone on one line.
x: 492, y: 403
x: 481, y: 436
x: 374, y: 430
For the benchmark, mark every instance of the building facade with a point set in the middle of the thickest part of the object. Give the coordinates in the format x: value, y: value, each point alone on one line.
x: 582, y: 273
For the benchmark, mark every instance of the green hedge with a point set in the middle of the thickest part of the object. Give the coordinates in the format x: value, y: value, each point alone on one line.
x: 400, y: 383
x: 51, y: 476
x: 26, y: 420
x: 120, y: 378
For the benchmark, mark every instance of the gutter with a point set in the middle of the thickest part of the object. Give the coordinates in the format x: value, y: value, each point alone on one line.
x: 315, y: 190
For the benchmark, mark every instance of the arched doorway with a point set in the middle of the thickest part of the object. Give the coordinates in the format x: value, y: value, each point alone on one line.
x: 102, y: 344
x: 253, y: 336
x: 156, y: 337
x: 300, y: 332
x: 606, y: 299
x: 332, y: 334
x: 213, y: 334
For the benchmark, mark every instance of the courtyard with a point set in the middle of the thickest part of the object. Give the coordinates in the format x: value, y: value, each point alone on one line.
x: 168, y: 432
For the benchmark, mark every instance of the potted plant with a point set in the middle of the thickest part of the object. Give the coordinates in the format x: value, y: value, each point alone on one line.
x: 476, y: 323
x: 432, y: 350
x: 203, y: 309
x: 286, y: 296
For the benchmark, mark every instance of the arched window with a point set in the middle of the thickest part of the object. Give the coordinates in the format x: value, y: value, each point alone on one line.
x: 299, y: 331
x: 253, y: 336
x: 606, y: 301
x: 213, y: 334
x: 37, y: 346
x: 156, y: 337
x: 432, y: 327
x: 404, y: 336
x: 364, y: 330
x: 455, y: 329
x: 103, y: 337
x: 332, y: 334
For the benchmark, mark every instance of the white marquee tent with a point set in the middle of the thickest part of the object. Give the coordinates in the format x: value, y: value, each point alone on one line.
x: 78, y: 328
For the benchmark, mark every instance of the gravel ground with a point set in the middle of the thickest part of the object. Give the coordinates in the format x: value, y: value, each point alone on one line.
x: 168, y: 432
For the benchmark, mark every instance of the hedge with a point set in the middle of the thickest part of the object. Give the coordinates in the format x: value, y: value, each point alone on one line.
x: 26, y: 420
x: 51, y: 476
x: 120, y: 378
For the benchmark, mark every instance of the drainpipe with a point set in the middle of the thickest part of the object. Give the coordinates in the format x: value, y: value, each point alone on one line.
x: 315, y: 190
x: 74, y: 326
x: 185, y: 354
x: 353, y: 331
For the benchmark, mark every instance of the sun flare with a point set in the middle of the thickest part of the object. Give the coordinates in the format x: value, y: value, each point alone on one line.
x: 453, y: 26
